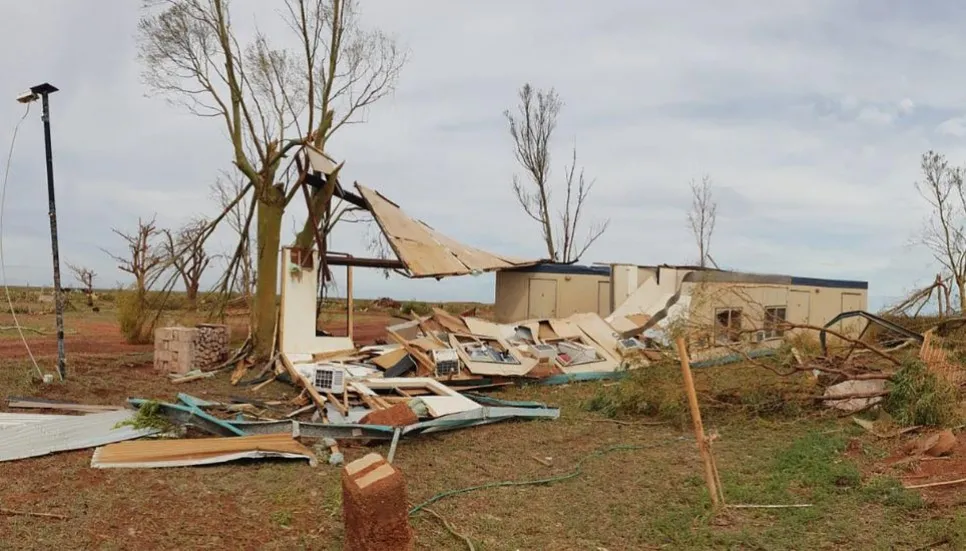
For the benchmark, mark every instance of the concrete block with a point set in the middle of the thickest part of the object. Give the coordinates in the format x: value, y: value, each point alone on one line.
x: 374, y: 506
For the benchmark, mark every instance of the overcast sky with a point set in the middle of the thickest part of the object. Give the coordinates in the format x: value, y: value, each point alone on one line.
x: 810, y: 116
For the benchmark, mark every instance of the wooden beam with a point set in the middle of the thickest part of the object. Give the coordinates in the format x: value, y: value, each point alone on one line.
x: 384, y: 263
x: 348, y: 294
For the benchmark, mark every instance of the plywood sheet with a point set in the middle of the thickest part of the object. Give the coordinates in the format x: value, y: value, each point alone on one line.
x: 198, y: 451
x: 565, y: 329
x: 597, y: 330
x: 439, y: 406
x: 425, y: 251
x: 486, y: 328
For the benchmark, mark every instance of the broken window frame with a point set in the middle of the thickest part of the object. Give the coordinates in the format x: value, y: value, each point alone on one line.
x: 773, y: 325
x: 729, y: 332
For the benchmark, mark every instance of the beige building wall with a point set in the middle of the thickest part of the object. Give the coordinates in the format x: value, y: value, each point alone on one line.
x: 529, y: 295
x: 544, y: 294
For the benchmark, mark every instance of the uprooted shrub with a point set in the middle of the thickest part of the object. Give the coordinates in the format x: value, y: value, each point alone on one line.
x: 919, y: 396
x: 655, y: 390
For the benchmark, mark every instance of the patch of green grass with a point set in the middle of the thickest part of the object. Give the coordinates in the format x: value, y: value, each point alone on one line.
x: 654, y: 390
x: 282, y: 518
x: 920, y: 397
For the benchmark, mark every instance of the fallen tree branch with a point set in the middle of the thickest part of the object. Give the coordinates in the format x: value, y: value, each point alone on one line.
x: 838, y: 335
x: 857, y: 395
x: 33, y: 514
x: 936, y: 484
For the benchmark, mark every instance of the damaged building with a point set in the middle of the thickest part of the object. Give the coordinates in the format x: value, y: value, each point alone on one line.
x: 732, y: 306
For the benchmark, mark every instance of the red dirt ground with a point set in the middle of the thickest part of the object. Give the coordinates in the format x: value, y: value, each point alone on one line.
x: 927, y: 470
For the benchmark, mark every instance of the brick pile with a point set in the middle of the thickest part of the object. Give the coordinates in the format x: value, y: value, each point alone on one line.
x: 182, y: 349
x: 374, y: 506
x: 174, y: 349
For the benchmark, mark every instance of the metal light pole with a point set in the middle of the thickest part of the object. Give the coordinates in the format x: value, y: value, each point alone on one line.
x: 43, y: 91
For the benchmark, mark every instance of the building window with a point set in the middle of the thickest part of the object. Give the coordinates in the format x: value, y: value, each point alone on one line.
x: 727, y: 325
x: 774, y: 322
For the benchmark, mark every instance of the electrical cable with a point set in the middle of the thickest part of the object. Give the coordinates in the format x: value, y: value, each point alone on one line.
x: 578, y: 470
x: 3, y: 266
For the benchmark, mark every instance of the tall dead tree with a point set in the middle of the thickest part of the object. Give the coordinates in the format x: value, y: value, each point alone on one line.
x: 85, y: 276
x: 702, y: 217
x: 944, y: 233
x: 185, y: 251
x: 143, y: 259
x: 273, y: 103
x: 531, y: 129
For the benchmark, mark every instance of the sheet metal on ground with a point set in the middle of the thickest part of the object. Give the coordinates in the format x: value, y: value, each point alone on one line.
x: 85, y: 431
x: 425, y: 251
x: 8, y: 420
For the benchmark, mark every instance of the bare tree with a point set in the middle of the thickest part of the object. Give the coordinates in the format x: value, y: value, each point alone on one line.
x: 942, y: 187
x: 85, y: 276
x: 532, y: 131
x: 702, y: 217
x: 185, y: 251
x: 272, y: 102
x: 143, y: 259
x: 225, y: 189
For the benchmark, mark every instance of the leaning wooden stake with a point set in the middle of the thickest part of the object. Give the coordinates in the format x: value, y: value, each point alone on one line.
x: 703, y: 447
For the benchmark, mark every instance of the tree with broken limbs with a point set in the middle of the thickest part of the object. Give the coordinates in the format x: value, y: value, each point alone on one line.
x: 273, y: 102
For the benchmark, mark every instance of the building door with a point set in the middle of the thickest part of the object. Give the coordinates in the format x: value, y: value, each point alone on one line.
x: 852, y: 326
x: 799, y: 306
x: 603, y: 298
x: 543, y: 299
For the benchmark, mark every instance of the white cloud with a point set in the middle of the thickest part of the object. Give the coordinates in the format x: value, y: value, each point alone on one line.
x: 906, y: 106
x: 955, y: 126
x: 874, y: 115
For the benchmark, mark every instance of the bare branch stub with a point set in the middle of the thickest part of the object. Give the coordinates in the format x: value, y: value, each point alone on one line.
x: 532, y: 129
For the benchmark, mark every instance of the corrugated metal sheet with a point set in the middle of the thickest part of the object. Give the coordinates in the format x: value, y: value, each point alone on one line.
x: 75, y: 433
x: 8, y: 420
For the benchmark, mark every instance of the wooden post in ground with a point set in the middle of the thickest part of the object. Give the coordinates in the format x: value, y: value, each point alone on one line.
x: 348, y: 299
x: 703, y: 447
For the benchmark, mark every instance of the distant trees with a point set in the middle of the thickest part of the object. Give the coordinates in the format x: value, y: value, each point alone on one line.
x: 143, y: 258
x: 702, y: 217
x: 944, y: 233
x: 85, y: 276
x: 185, y: 252
x: 531, y: 129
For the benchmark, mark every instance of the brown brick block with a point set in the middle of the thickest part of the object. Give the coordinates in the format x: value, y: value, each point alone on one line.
x: 398, y: 415
x: 374, y: 506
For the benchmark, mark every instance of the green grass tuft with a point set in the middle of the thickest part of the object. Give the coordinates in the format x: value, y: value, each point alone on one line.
x: 920, y: 397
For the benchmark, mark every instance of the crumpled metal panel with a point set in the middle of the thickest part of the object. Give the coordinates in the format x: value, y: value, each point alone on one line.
x: 79, y: 432
x: 8, y: 420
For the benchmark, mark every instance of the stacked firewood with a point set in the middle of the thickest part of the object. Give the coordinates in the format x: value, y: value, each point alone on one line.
x: 211, y: 346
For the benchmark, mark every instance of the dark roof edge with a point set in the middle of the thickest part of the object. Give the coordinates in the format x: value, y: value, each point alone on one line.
x: 833, y: 283
x: 571, y: 269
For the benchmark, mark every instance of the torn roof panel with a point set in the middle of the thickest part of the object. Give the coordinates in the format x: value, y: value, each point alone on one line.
x: 425, y: 251
x: 75, y: 433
